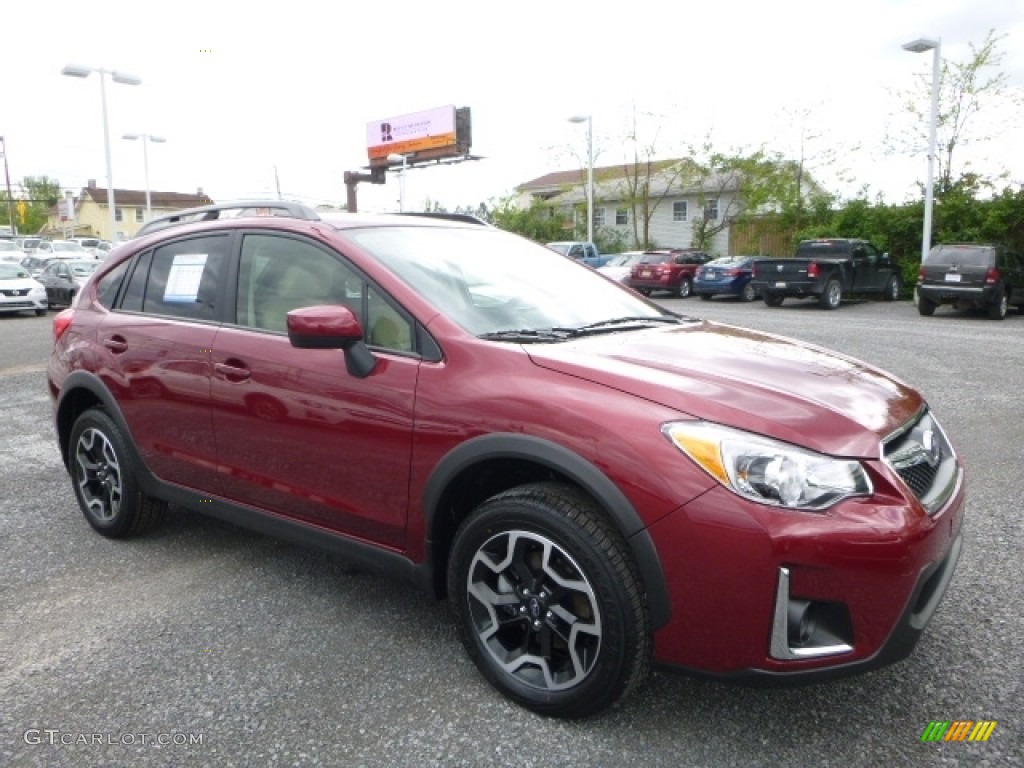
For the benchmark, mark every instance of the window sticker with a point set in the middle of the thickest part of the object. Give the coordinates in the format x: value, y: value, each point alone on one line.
x: 184, y: 278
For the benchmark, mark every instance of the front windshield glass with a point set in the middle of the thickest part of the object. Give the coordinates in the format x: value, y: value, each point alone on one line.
x: 58, y: 246
x: 82, y: 268
x: 489, y: 281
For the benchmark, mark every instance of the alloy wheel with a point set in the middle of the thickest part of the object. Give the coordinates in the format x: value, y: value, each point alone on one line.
x: 534, y: 610
x: 98, y: 474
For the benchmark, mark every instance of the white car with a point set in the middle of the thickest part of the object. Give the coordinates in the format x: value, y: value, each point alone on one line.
x: 19, y: 292
x: 64, y: 249
x: 10, y: 251
x: 619, y: 267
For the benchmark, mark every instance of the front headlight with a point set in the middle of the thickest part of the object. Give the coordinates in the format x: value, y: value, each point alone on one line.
x: 37, y: 291
x: 768, y: 471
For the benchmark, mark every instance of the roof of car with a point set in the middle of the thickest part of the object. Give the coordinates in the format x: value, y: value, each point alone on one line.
x: 280, y: 209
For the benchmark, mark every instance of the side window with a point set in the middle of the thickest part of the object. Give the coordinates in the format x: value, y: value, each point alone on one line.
x: 184, y: 278
x: 576, y: 252
x: 278, y: 274
x: 385, y: 327
x: 135, y: 292
x: 108, y: 285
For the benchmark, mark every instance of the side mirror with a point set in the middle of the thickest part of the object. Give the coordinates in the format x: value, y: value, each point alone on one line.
x: 332, y: 327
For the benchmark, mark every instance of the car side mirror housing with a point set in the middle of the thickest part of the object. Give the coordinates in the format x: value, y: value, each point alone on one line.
x: 332, y: 327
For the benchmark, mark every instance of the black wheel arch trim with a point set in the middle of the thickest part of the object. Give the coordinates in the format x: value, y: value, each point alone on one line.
x: 580, y: 471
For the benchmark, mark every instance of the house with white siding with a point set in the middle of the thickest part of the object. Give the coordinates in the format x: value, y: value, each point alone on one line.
x: 673, y: 198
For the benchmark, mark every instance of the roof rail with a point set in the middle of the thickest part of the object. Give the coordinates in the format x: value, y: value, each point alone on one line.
x: 468, y: 218
x: 230, y: 210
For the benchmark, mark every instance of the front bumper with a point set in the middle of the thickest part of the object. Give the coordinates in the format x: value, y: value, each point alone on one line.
x: 874, y: 568
x: 27, y: 303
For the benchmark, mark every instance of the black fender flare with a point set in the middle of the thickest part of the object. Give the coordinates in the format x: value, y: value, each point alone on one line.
x: 71, y: 389
x: 507, y: 445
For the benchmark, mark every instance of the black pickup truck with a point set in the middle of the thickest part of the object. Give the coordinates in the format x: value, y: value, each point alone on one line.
x: 827, y: 269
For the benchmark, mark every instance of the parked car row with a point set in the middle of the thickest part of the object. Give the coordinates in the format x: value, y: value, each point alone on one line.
x: 984, y: 277
x: 56, y: 284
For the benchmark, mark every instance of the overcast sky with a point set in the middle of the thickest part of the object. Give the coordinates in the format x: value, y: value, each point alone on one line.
x: 241, y: 88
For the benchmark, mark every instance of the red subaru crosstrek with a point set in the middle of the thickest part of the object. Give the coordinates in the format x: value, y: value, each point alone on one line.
x: 593, y: 482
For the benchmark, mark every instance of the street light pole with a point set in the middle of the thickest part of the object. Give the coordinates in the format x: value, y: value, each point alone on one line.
x: 146, y: 138
x: 394, y: 157
x: 590, y: 171
x: 10, y: 200
x: 73, y: 70
x: 920, y: 46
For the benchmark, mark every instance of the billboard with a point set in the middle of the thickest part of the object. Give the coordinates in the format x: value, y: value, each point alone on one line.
x: 433, y: 129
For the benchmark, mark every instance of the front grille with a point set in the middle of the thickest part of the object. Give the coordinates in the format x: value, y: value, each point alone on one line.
x: 925, y: 460
x: 18, y: 292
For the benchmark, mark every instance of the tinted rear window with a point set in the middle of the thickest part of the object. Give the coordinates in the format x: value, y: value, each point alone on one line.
x: 823, y: 248
x: 966, y: 256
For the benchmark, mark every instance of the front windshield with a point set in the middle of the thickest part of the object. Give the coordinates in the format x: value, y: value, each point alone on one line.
x: 489, y: 281
x: 82, y: 268
x: 58, y: 246
x: 12, y: 271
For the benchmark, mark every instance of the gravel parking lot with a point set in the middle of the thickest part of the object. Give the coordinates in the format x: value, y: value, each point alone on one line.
x: 202, y: 644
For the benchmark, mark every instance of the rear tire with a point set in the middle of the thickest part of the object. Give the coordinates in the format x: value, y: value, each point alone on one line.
x: 925, y: 307
x: 832, y: 297
x: 684, y: 289
x: 774, y: 299
x: 104, y: 481
x: 548, y: 601
x: 749, y: 293
x: 705, y: 297
x: 998, y: 309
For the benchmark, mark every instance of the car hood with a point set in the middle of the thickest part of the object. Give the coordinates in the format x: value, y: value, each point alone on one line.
x: 19, y: 284
x: 766, y: 384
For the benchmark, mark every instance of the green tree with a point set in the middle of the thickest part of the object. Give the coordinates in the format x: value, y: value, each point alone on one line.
x: 965, y: 89
x: 37, y: 195
x: 538, y: 222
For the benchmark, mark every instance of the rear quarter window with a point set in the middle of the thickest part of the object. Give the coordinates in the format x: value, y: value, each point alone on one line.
x: 108, y: 285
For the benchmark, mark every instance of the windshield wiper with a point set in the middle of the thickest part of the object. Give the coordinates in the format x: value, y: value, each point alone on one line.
x: 527, y: 335
x: 605, y: 326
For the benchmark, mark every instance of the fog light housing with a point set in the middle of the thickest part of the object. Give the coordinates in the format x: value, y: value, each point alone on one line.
x: 808, y: 629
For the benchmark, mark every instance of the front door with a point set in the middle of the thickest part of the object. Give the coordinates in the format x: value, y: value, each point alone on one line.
x: 296, y: 433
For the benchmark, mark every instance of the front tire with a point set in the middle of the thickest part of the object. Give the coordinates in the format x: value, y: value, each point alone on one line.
x: 104, y: 479
x: 548, y: 601
x: 892, y: 289
x: 749, y: 293
x: 832, y: 296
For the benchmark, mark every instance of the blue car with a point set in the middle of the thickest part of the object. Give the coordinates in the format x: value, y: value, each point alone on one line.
x: 729, y: 275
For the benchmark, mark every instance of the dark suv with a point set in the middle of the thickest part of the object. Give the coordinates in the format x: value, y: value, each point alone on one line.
x: 971, y: 275
x: 594, y: 482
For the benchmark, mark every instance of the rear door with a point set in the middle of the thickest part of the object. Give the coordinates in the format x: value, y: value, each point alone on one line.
x: 158, y: 340
x: 870, y: 275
